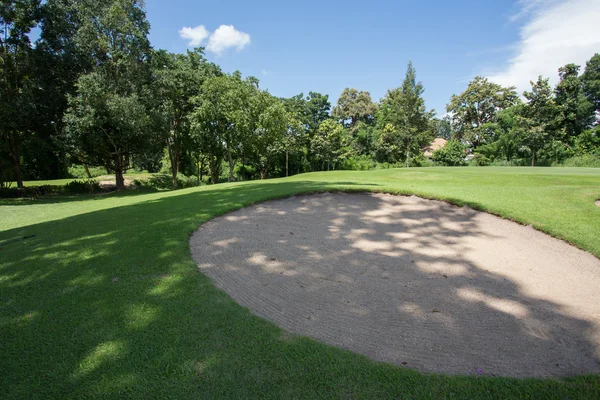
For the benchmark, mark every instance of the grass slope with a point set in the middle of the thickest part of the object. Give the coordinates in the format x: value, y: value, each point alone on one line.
x: 105, y: 301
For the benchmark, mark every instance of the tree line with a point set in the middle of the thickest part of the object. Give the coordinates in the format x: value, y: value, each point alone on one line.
x: 91, y: 91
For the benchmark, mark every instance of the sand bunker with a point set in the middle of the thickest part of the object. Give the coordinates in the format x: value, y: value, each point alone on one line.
x: 412, y: 282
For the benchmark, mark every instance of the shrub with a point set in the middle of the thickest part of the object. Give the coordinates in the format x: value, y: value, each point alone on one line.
x: 165, y: 182
x: 586, y: 160
x: 87, y: 186
x: 358, y: 163
x: 480, y: 160
x: 452, y: 155
x: 421, y: 161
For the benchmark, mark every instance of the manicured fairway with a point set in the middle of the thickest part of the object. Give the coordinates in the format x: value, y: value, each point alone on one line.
x: 105, y: 300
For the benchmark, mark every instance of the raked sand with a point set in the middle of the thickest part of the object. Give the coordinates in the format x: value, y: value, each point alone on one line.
x: 413, y: 282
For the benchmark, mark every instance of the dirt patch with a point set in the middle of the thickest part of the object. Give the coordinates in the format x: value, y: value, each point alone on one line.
x: 112, y: 184
x: 413, y: 282
x: 597, y: 202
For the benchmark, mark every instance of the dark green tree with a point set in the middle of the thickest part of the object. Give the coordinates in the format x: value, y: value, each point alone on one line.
x: 591, y: 81
x: 107, y: 121
x: 354, y: 107
x: 576, y: 110
x: 477, y: 106
x: 17, y: 107
x: 404, y: 109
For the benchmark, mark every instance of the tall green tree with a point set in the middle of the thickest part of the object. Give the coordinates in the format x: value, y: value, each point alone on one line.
x: 404, y: 108
x: 221, y: 119
x: 107, y: 120
x: 591, y: 82
x: 17, y: 108
x: 269, y: 127
x: 540, y: 117
x: 177, y: 78
x: 329, y: 144
x: 477, y: 106
x: 353, y: 107
x: 576, y: 110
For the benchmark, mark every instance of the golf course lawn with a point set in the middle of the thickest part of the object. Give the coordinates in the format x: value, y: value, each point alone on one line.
x: 103, y: 299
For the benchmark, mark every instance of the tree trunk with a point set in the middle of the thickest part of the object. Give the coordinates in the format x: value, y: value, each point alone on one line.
x: 17, y: 166
x: 407, y: 158
x: 87, y: 170
x: 533, y: 158
x: 120, y: 181
x: 201, y: 168
x: 214, y: 170
x: 174, y: 162
x: 287, y: 163
x: 13, y: 150
x: 231, y: 165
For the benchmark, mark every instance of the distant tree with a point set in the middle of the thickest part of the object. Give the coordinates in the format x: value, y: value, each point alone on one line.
x: 576, y: 110
x: 353, y: 107
x: 269, y: 127
x: 508, y: 137
x: 404, y: 108
x: 17, y: 18
x: 477, y: 106
x: 443, y: 128
x: 389, y: 146
x: 591, y: 81
x: 329, y: 144
x: 221, y: 120
x: 318, y: 107
x: 177, y: 78
x: 540, y: 116
x: 107, y: 120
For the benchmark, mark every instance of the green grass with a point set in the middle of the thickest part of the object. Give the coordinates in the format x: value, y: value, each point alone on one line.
x: 69, y: 329
x: 62, y: 182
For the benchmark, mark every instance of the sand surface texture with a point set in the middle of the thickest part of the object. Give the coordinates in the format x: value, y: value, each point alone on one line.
x: 413, y: 282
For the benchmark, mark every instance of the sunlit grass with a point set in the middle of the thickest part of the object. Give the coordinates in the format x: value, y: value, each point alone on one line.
x: 103, y: 299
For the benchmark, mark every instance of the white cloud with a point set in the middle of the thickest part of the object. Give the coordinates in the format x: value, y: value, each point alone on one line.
x: 555, y: 33
x: 222, y: 39
x: 227, y: 36
x: 195, y: 36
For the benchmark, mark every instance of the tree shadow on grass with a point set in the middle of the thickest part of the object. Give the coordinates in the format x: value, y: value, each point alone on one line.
x: 110, y: 304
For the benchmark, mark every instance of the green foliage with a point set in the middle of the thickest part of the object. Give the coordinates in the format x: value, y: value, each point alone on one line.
x: 353, y: 107
x: 330, y: 145
x: 78, y: 171
x: 405, y: 121
x: 358, y: 163
x: 165, y: 182
x: 451, y: 155
x: 588, y: 142
x: 590, y: 80
x: 477, y: 106
x: 576, y: 111
x: 585, y: 160
x: 82, y: 186
x: 479, y: 160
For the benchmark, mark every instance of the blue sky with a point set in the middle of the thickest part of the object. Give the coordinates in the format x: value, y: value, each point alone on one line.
x: 325, y: 46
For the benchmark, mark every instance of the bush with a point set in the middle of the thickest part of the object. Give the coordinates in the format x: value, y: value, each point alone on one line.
x: 165, y: 182
x: 480, y: 160
x: 586, y: 160
x: 451, y: 155
x: 358, y: 163
x: 421, y: 161
x: 87, y: 186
